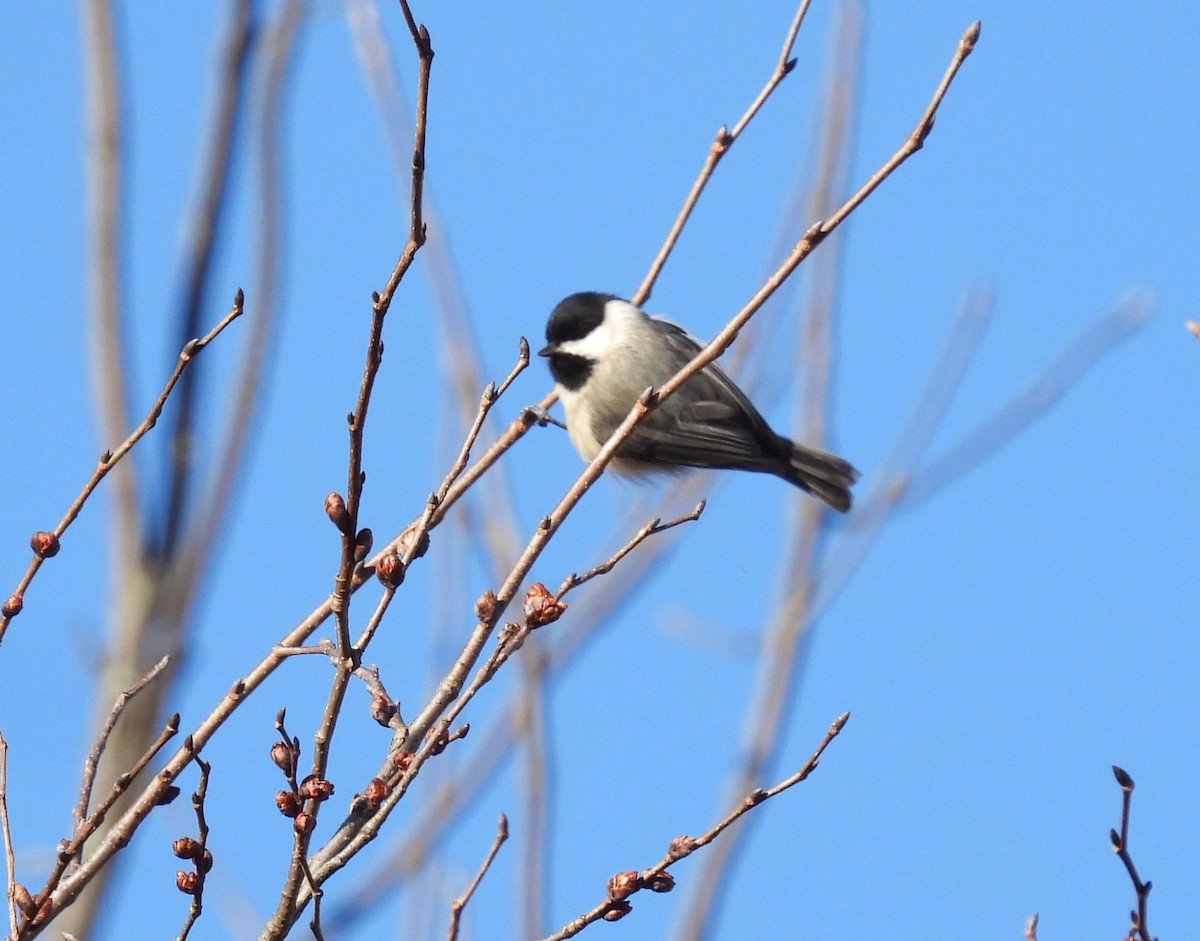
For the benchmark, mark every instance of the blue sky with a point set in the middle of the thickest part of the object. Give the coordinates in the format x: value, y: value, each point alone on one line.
x: 1004, y: 642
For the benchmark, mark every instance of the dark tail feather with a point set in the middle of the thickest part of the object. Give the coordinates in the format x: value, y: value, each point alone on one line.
x: 826, y: 476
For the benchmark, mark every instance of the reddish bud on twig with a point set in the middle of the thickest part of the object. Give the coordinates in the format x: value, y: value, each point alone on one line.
x: 681, y: 846
x: 1116, y: 840
x: 375, y: 793
x: 661, y: 882
x: 402, y: 759
x: 12, y: 607
x: 205, y: 862
x: 623, y: 885
x: 382, y: 709
x: 363, y: 543
x: 369, y: 800
x: 281, y: 755
x: 186, y: 848
x: 316, y: 788
x: 304, y: 822
x: 757, y: 796
x: 390, y: 570
x: 44, y: 544
x: 1123, y: 778
x: 187, y: 882
x: 406, y: 541
x: 485, y: 606
x: 541, y: 608
x: 24, y: 901
x: 288, y: 803
x: 335, y: 509
x: 617, y: 911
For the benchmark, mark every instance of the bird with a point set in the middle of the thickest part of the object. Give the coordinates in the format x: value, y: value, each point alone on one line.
x: 604, y: 352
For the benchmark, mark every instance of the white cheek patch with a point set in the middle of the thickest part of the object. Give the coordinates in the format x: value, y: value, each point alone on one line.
x: 593, y: 346
x: 620, y: 319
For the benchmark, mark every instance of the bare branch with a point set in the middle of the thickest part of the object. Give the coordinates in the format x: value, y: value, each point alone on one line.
x: 652, y: 528
x: 10, y: 858
x: 92, y: 763
x: 457, y: 906
x: 109, y: 459
x: 192, y: 883
x: 656, y: 878
x: 1138, y: 930
x: 719, y: 147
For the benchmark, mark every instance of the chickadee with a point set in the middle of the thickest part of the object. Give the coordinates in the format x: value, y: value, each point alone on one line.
x: 603, y: 353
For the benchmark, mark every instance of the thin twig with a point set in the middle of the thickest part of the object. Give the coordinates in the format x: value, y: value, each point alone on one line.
x: 202, y: 857
x: 92, y: 762
x: 820, y: 230
x: 354, y: 834
x: 656, y: 878
x: 491, y: 395
x: 719, y: 147
x: 288, y: 906
x: 457, y: 906
x: 70, y: 850
x: 10, y: 859
x: 1138, y: 928
x: 317, y: 895
x: 109, y: 459
x: 1031, y: 928
x: 381, y: 302
x: 651, y: 528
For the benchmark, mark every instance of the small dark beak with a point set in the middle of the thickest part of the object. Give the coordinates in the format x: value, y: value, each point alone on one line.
x: 548, y: 350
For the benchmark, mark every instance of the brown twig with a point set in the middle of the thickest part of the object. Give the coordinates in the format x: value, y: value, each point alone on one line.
x: 652, y: 528
x: 817, y: 232
x: 353, y: 835
x: 719, y: 147
x: 92, y: 762
x: 381, y: 302
x: 70, y: 850
x: 348, y: 654
x: 197, y: 851
x: 109, y: 459
x: 1138, y: 929
x: 1031, y: 928
x: 457, y: 906
x: 10, y: 858
x: 656, y: 878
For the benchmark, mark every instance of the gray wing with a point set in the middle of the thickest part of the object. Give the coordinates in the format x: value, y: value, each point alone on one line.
x: 709, y: 422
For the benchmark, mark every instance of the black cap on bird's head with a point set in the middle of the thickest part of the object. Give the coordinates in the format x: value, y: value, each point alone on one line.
x: 574, y: 318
